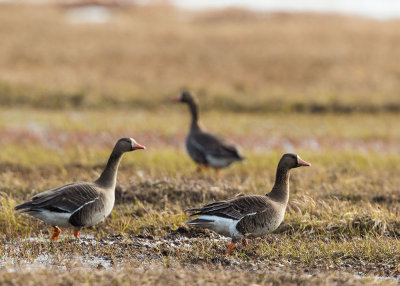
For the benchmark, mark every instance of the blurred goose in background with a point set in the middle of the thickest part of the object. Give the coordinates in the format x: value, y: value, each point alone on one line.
x: 250, y: 215
x: 80, y: 205
x: 207, y: 149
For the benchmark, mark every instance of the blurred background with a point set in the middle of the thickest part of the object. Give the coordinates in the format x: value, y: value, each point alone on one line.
x: 277, y: 70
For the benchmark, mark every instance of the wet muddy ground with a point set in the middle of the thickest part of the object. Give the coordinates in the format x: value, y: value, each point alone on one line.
x: 116, y: 252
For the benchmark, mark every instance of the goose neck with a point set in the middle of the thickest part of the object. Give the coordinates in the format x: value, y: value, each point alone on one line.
x: 108, y: 177
x: 280, y: 191
x: 195, y: 116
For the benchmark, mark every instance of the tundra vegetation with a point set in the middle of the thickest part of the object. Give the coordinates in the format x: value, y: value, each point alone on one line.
x: 323, y: 86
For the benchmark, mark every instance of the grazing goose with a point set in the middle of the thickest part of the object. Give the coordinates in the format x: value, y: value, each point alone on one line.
x: 250, y: 215
x: 80, y: 205
x: 205, y: 148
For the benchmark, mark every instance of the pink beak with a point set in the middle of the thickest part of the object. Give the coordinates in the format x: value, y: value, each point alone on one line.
x: 138, y: 146
x: 303, y: 163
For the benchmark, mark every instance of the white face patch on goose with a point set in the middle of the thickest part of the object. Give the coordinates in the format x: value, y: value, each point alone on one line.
x: 133, y: 143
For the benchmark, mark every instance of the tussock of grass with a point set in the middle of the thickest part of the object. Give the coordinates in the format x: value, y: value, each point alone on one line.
x: 11, y: 223
x: 338, y: 219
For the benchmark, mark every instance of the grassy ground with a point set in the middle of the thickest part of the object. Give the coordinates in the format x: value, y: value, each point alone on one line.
x: 325, y: 87
x: 342, y: 216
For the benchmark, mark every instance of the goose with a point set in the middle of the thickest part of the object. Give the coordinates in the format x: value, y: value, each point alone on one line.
x: 249, y: 215
x: 206, y: 149
x: 83, y: 204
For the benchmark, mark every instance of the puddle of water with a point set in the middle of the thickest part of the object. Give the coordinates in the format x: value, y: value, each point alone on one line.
x: 13, y: 263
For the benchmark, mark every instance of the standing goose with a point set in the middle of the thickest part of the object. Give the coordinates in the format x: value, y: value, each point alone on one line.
x: 80, y: 205
x: 251, y: 215
x: 205, y: 148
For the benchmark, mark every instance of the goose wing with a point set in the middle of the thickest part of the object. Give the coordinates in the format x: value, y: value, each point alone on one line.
x: 66, y: 199
x: 214, y: 145
x: 235, y: 209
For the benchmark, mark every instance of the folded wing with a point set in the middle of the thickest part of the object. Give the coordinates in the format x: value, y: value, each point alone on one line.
x: 234, y: 209
x: 212, y: 145
x: 66, y: 199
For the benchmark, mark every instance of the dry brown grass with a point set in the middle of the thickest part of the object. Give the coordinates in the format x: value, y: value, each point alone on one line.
x: 342, y: 216
x: 310, y: 62
x: 181, y: 275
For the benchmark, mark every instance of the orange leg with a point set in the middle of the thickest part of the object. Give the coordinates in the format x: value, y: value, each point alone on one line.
x: 230, y: 248
x: 76, y: 234
x: 217, y: 172
x: 56, y: 233
x: 244, y: 242
x: 200, y: 167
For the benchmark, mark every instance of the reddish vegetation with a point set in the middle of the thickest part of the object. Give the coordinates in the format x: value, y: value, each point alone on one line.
x: 254, y: 142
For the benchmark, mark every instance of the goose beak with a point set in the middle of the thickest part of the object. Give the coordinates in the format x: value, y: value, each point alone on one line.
x: 301, y: 162
x: 138, y: 146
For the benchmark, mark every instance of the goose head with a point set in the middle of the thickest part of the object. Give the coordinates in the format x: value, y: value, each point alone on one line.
x: 290, y: 161
x: 128, y: 144
x: 185, y: 97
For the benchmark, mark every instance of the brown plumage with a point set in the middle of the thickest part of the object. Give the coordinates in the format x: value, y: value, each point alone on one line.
x: 250, y: 215
x: 83, y: 204
x: 205, y: 148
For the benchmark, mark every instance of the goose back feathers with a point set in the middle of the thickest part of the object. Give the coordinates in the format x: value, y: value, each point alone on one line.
x: 69, y: 205
x: 209, y: 149
x: 251, y: 215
